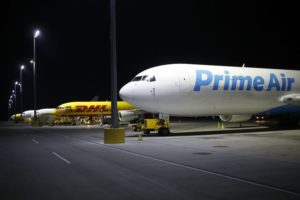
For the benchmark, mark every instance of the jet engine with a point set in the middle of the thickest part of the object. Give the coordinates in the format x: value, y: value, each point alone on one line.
x: 235, y: 118
x: 127, y: 116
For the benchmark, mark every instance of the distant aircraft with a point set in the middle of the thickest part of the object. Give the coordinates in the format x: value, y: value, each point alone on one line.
x: 45, y: 115
x: 26, y: 115
x: 16, y: 117
x: 232, y: 93
x: 96, y: 108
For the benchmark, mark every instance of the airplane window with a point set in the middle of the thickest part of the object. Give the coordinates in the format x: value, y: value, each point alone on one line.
x: 137, y: 78
x: 144, y: 77
x: 152, y: 79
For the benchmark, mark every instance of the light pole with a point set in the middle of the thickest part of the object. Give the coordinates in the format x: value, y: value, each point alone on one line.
x: 10, y: 102
x: 113, y: 68
x: 9, y: 107
x: 113, y: 135
x: 21, y: 88
x: 36, y: 34
x: 15, y: 98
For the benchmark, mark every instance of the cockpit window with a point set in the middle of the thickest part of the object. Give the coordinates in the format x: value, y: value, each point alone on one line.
x: 137, y: 78
x: 144, y: 78
x: 152, y: 79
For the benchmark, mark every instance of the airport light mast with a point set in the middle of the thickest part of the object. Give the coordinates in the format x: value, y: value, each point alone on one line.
x: 36, y: 34
x: 114, y: 134
x: 9, y: 107
x: 10, y: 102
x: 21, y: 89
x: 113, y: 68
x: 15, y: 98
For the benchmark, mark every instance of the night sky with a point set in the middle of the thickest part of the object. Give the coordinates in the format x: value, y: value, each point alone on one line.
x: 73, y: 52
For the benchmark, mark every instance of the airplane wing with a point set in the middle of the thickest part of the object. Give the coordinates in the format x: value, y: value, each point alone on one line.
x: 291, y: 99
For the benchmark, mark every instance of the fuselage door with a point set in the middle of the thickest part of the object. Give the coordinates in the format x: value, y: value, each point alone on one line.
x: 184, y: 82
x: 151, y: 82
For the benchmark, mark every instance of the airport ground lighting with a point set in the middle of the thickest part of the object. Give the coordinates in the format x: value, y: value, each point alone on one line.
x: 36, y: 34
x: 21, y: 89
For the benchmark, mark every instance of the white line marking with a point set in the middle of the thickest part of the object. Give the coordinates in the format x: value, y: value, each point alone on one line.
x: 68, y: 162
x: 295, y: 193
x: 35, y: 141
x: 205, y: 171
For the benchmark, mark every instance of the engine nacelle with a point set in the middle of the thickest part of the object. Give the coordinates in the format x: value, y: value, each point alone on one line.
x: 235, y: 118
x: 127, y: 116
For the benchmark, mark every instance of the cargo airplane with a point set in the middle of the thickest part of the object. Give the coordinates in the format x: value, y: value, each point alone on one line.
x: 96, y: 108
x: 45, y: 116
x: 234, y: 94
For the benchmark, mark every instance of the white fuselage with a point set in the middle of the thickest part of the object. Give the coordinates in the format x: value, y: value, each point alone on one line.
x: 27, y: 114
x: 204, y: 90
x: 43, y: 114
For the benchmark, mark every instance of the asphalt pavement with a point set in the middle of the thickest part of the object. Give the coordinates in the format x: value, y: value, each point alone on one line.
x: 73, y: 163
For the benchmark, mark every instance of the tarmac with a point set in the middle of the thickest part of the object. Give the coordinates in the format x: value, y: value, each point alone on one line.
x: 198, y: 161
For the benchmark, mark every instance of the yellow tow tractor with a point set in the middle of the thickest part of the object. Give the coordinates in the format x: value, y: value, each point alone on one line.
x: 160, y: 125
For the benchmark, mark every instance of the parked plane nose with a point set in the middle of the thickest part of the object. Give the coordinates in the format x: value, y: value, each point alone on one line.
x: 129, y: 93
x: 124, y: 92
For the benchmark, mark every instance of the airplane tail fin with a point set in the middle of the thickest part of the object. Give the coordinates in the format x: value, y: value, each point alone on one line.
x: 95, y: 98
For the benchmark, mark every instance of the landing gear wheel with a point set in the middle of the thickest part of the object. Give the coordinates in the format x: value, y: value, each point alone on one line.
x: 163, y: 131
x: 146, y: 131
x: 134, y: 128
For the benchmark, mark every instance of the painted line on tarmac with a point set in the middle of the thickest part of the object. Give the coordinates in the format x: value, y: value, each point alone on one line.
x: 266, y: 186
x: 62, y: 158
x: 35, y: 141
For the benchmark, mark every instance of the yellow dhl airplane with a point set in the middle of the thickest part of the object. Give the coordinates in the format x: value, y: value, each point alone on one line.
x: 127, y: 112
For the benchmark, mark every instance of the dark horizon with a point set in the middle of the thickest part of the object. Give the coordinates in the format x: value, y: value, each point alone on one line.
x: 73, y: 52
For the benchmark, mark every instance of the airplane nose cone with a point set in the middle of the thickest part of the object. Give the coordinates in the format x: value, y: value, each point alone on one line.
x: 124, y: 92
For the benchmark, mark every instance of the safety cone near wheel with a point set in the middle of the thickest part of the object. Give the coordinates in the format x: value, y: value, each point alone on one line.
x: 140, y: 137
x: 222, y: 125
